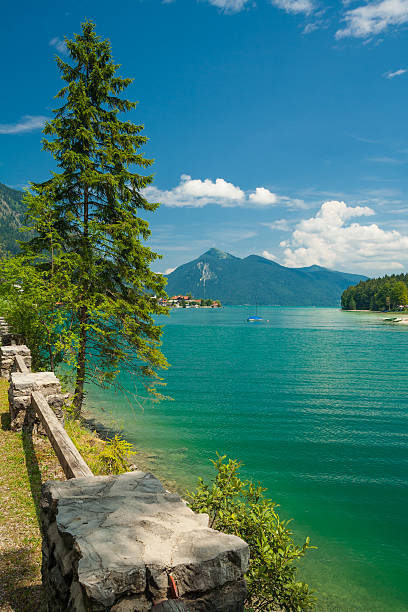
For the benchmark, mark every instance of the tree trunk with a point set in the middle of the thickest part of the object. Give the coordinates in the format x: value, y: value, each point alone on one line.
x: 80, y: 371
x: 83, y: 319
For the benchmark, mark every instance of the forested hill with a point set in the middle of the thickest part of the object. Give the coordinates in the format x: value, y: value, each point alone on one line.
x: 12, y: 212
x: 233, y: 280
x: 385, y: 293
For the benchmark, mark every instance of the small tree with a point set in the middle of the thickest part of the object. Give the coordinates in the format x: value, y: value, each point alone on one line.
x: 37, y: 305
x: 88, y: 211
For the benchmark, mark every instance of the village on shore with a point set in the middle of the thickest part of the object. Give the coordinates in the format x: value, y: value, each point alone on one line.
x: 187, y: 301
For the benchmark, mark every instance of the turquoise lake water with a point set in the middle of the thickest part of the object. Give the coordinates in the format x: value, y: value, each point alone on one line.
x: 315, y: 403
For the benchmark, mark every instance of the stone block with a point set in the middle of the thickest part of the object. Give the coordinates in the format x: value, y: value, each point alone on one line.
x: 127, y: 534
x: 22, y: 384
x: 7, y: 354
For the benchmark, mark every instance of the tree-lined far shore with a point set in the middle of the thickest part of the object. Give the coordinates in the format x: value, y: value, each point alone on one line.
x: 385, y: 293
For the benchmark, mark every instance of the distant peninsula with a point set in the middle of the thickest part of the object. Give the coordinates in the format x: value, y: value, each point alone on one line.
x: 255, y: 279
x: 386, y: 293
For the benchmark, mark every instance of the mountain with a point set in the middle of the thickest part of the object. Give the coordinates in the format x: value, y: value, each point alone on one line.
x: 232, y: 280
x: 12, y: 212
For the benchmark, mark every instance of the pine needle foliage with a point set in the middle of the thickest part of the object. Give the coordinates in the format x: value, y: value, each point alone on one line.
x: 239, y: 507
x: 86, y: 218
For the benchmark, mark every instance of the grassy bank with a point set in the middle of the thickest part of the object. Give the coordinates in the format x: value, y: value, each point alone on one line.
x: 25, y: 464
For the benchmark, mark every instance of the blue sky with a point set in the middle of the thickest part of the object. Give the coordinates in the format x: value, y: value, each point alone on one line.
x: 277, y: 127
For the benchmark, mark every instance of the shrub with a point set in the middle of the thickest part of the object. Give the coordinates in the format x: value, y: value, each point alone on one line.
x: 239, y: 507
x: 114, y: 457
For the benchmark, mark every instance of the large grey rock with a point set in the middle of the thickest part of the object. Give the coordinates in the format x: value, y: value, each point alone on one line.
x: 110, y: 543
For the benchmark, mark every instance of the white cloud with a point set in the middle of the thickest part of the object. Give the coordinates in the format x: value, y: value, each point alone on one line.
x: 269, y: 255
x: 229, y: 6
x: 295, y: 6
x: 168, y: 271
x: 28, y: 123
x: 197, y: 193
x: 294, y: 203
x: 263, y: 196
x: 280, y: 224
x: 314, y: 25
x: 208, y: 189
x: 373, y: 18
x: 391, y: 75
x: 59, y: 45
x: 328, y: 240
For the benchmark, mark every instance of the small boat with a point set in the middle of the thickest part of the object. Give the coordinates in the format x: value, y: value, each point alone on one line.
x: 255, y: 318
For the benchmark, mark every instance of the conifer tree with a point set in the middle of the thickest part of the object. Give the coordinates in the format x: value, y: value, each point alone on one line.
x: 92, y: 203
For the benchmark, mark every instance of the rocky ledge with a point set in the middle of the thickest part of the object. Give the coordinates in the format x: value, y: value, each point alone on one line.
x: 123, y: 543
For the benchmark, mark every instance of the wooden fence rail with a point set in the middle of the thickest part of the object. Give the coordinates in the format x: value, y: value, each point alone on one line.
x: 71, y: 461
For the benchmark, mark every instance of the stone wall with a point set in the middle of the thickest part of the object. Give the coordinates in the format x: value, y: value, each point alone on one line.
x: 7, y: 358
x: 6, y: 335
x: 111, y: 543
x: 22, y: 383
x: 4, y: 328
x: 21, y: 386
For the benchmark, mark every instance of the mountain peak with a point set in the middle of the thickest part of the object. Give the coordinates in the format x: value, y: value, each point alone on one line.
x: 217, y: 253
x: 314, y: 268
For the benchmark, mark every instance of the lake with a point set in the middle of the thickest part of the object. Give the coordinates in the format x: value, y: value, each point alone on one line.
x: 314, y: 403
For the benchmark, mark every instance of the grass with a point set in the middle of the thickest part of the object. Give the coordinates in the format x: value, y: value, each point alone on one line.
x: 87, y: 442
x: 25, y: 464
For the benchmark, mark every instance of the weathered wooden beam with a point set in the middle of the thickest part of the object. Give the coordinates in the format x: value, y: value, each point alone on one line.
x: 20, y: 365
x: 71, y: 461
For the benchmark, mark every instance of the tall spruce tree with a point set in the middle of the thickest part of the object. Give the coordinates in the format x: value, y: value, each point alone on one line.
x: 86, y: 218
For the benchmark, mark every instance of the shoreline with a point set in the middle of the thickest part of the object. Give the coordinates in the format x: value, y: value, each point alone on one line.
x: 389, y: 318
x: 144, y: 459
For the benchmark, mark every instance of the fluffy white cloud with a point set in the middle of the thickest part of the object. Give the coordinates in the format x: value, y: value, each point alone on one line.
x: 59, y: 45
x: 328, y: 240
x: 28, y: 123
x: 229, y: 6
x: 198, y: 193
x: 295, y: 6
x: 373, y: 18
x: 391, y: 75
x: 168, y: 271
x: 263, y: 196
x: 219, y: 189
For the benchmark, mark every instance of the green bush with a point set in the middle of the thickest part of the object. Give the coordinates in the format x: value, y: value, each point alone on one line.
x: 239, y: 507
x: 114, y: 457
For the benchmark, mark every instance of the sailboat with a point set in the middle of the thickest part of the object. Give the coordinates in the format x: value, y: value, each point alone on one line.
x: 255, y: 318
